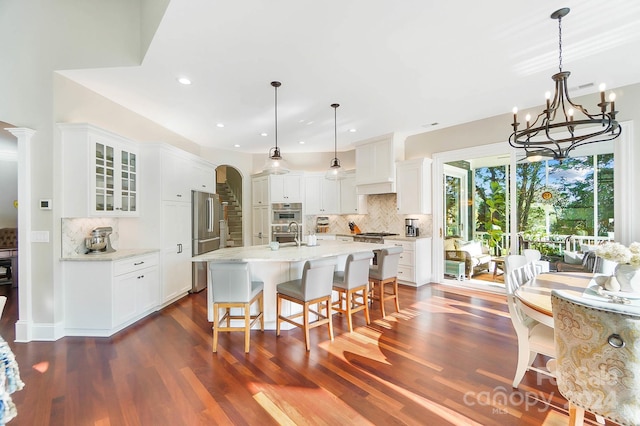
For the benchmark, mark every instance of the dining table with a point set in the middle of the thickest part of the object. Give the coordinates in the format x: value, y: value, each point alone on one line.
x: 535, y: 294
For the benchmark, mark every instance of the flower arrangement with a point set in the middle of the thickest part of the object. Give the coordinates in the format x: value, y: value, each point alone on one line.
x: 619, y: 253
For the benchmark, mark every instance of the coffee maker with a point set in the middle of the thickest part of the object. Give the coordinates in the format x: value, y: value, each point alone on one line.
x: 411, y: 227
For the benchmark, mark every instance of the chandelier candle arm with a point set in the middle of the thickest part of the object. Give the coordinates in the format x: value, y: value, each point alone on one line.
x: 560, y: 114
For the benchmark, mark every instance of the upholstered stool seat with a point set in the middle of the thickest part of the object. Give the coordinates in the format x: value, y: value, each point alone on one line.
x: 352, y: 286
x: 233, y: 288
x: 315, y: 287
x: 385, y: 272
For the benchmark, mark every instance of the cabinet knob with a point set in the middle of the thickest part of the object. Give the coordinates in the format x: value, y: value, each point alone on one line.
x: 179, y: 195
x: 138, y: 263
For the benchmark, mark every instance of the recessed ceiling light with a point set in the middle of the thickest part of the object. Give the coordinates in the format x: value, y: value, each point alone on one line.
x: 264, y: 134
x: 236, y: 146
x: 184, y: 80
x: 352, y: 130
x: 309, y: 122
x: 301, y: 142
x: 220, y: 124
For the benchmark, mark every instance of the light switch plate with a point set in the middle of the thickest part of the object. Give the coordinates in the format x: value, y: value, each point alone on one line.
x: 39, y: 236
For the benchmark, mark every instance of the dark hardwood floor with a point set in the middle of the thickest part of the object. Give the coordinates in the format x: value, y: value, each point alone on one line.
x: 447, y: 358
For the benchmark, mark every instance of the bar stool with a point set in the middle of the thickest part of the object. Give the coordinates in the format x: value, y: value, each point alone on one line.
x: 315, y: 286
x: 232, y: 287
x: 352, y: 286
x: 385, y: 272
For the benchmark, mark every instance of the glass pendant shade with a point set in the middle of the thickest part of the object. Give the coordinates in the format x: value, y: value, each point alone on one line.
x: 275, y: 164
x: 335, y: 172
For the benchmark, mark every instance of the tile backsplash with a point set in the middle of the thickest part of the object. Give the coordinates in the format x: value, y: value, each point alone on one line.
x: 382, y: 217
x: 75, y: 230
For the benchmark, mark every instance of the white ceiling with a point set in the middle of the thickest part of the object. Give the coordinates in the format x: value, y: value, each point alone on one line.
x: 394, y: 66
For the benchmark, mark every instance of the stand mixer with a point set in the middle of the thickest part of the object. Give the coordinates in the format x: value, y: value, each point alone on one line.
x: 99, y: 242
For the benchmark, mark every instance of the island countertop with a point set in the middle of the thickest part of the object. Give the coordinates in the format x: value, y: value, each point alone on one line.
x: 288, y: 252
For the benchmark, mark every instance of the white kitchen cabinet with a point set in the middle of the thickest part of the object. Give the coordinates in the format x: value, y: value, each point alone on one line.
x: 103, y: 297
x: 176, y: 250
x: 414, y: 268
x: 414, y: 186
x: 176, y: 175
x: 285, y: 188
x: 375, y: 164
x: 260, y: 230
x: 260, y: 191
x: 322, y: 196
x: 100, y: 172
x: 203, y: 177
x: 350, y: 201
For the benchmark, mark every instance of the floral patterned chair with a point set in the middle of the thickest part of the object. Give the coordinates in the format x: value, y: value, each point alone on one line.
x: 597, y: 358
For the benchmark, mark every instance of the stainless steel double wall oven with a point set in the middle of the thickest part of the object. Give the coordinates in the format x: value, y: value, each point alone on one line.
x: 283, y: 215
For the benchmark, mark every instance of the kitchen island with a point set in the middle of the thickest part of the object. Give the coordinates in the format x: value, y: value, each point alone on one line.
x: 276, y: 266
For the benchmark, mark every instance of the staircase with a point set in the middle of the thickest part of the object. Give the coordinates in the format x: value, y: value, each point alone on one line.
x: 234, y: 214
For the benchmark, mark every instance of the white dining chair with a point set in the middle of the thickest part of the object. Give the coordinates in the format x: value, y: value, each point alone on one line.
x: 533, y: 337
x: 513, y: 261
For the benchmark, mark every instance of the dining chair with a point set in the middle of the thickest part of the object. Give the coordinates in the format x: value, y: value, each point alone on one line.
x: 597, y: 363
x: 232, y: 288
x: 385, y: 272
x: 514, y: 261
x: 315, y: 287
x: 533, y: 337
x: 352, y: 286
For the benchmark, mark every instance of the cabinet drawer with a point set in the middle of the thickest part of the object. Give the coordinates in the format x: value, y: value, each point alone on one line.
x: 132, y: 264
x: 406, y: 245
x: 407, y: 258
x: 405, y: 273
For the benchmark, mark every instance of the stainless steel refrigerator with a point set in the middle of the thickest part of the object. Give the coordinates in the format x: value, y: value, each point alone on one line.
x: 205, y: 233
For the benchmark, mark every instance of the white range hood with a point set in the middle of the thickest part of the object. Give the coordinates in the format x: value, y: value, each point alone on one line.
x: 376, y: 164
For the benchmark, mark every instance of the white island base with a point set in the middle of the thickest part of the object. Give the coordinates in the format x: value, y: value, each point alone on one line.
x: 276, y: 266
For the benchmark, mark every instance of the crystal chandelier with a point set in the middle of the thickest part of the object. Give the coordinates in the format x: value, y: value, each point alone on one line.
x: 563, y: 125
x: 335, y: 172
x: 275, y: 164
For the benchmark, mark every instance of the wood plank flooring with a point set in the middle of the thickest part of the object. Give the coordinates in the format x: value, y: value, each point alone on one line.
x: 448, y: 357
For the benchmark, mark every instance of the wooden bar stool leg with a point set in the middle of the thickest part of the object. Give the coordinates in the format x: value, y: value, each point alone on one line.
x: 349, y: 304
x: 261, y: 307
x: 216, y: 322
x: 395, y: 292
x: 278, y: 314
x: 365, y: 301
x: 305, y: 311
x: 247, y: 326
x: 328, y: 304
x: 380, y: 286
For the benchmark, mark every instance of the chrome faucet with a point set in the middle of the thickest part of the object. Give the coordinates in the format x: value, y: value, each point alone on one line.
x: 295, y: 224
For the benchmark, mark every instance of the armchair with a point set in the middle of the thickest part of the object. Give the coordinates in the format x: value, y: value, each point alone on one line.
x: 474, y: 254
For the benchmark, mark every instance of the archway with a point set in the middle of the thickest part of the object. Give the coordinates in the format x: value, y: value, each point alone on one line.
x: 229, y: 187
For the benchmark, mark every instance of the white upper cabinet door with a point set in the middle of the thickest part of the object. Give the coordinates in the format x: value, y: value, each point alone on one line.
x: 203, y: 177
x: 260, y: 191
x: 286, y: 188
x: 350, y: 201
x: 176, y: 177
x: 100, y: 172
x: 322, y: 195
x: 414, y: 186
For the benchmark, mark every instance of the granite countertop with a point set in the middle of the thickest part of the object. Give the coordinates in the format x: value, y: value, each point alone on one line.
x: 116, y: 255
x: 288, y: 252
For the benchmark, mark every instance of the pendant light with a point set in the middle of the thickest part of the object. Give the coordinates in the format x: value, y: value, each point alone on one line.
x: 275, y: 165
x: 335, y: 172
